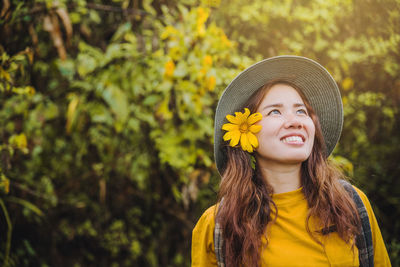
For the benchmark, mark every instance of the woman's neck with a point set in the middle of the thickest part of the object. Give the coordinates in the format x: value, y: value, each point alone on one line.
x: 282, y: 178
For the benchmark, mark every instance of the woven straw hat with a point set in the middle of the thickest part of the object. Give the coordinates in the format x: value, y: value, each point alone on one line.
x: 311, y: 78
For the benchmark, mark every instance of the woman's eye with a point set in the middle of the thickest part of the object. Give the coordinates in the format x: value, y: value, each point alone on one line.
x: 274, y: 111
x: 302, y: 111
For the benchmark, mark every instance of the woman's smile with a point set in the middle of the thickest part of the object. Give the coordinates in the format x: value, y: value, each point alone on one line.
x: 293, y: 139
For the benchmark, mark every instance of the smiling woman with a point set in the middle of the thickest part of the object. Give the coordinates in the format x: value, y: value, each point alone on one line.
x: 280, y: 200
x: 287, y: 131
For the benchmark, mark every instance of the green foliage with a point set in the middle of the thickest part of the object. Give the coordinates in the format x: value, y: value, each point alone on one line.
x: 114, y: 141
x: 106, y: 116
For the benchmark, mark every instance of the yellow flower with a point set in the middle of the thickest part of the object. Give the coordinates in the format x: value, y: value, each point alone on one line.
x: 211, y: 83
x: 242, y: 129
x: 202, y: 16
x: 207, y: 60
x: 169, y: 69
x: 347, y: 83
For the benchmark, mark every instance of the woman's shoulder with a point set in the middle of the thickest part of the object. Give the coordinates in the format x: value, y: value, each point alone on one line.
x: 208, y: 217
x: 203, y: 239
x: 360, y: 193
x: 364, y: 198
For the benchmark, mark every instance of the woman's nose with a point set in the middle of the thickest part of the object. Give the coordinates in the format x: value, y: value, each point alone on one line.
x: 292, y: 121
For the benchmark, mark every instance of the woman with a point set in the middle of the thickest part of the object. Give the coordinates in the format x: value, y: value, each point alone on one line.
x: 280, y: 202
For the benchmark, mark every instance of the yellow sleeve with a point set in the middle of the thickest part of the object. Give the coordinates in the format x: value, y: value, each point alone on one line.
x: 381, y: 257
x: 203, y: 254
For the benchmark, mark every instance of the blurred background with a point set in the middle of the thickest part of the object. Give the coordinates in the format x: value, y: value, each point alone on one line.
x: 107, y: 109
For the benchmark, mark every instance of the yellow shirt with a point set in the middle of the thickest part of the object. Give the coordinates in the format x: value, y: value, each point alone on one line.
x: 289, y: 243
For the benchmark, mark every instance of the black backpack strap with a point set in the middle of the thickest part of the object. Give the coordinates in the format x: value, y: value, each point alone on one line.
x: 218, y: 245
x: 364, y: 239
x: 219, y: 241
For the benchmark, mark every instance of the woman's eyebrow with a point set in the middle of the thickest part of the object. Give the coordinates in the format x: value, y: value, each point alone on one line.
x: 279, y: 105
x: 299, y: 105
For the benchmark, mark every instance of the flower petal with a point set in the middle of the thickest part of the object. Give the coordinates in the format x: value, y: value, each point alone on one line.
x: 227, y: 136
x: 252, y: 139
x: 244, y: 142
x: 246, y: 113
x: 240, y: 117
x: 232, y: 119
x: 230, y: 127
x: 235, y: 138
x: 253, y: 118
x: 255, y: 128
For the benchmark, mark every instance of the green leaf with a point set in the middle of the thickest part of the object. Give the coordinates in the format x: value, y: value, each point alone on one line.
x: 117, y: 100
x: 26, y: 204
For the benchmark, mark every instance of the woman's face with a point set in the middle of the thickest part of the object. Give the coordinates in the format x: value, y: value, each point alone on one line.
x: 287, y: 134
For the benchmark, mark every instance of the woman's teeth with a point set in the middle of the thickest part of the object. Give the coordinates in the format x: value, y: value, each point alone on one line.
x: 293, y: 139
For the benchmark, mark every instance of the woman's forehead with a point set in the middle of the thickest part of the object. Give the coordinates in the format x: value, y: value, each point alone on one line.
x: 282, y: 93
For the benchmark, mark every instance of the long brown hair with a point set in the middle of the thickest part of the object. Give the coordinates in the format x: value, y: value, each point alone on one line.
x: 247, y: 197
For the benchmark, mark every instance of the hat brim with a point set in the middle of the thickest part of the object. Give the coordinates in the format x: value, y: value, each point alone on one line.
x: 311, y: 78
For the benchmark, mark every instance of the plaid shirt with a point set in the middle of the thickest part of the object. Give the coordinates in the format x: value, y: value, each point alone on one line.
x: 363, y: 240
